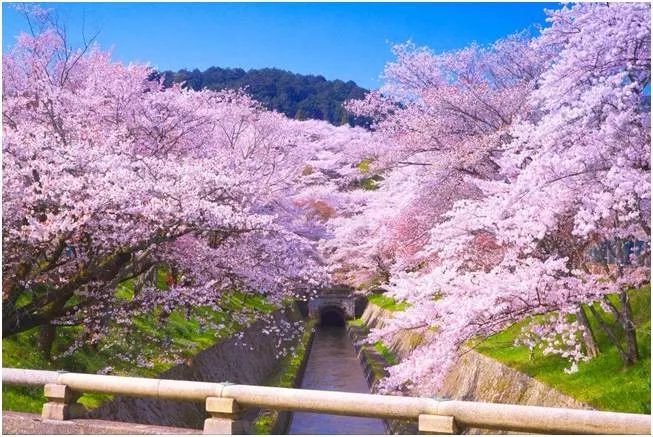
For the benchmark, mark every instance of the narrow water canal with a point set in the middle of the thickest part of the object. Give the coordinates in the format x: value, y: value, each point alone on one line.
x: 333, y: 365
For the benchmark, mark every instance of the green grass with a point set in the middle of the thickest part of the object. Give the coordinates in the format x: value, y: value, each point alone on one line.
x: 603, y: 382
x: 386, y: 353
x: 364, y: 165
x: 19, y: 352
x: 161, y: 343
x: 369, y: 182
x: 264, y: 422
x: 356, y: 322
x: 284, y: 377
x: 386, y: 302
x: 291, y: 363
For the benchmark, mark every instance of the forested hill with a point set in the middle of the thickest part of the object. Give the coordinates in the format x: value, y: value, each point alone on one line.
x: 296, y: 95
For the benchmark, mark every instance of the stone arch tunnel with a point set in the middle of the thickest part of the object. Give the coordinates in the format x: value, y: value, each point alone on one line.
x: 336, y: 309
x: 331, y: 315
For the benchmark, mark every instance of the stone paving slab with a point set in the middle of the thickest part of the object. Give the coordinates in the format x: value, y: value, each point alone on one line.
x: 30, y: 423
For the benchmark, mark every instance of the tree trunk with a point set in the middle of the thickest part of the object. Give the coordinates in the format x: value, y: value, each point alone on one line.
x: 589, y: 340
x: 626, y: 319
x: 15, y: 323
x: 46, y: 339
x: 610, y: 333
x: 630, y: 335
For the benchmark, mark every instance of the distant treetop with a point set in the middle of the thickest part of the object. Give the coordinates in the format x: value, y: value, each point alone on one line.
x: 296, y: 95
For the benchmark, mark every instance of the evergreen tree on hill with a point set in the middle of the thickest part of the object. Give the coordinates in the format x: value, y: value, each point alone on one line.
x: 296, y: 95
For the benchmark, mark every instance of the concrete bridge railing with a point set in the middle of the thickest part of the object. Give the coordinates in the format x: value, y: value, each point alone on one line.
x: 224, y: 402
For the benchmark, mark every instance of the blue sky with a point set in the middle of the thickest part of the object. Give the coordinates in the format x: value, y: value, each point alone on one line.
x: 337, y: 40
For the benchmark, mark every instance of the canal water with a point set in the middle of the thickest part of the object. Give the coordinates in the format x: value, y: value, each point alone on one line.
x: 333, y: 365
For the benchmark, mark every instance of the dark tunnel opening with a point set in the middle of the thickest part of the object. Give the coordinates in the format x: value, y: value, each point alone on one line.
x: 332, y: 316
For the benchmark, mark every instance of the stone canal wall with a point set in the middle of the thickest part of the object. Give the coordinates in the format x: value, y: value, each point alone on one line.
x: 475, y: 377
x: 280, y: 419
x: 228, y: 360
x: 374, y: 366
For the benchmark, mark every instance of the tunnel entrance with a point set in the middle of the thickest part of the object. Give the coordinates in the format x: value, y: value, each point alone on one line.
x: 332, y: 316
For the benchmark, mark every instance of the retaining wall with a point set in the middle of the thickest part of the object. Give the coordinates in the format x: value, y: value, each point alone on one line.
x: 282, y: 418
x: 228, y: 361
x: 475, y: 377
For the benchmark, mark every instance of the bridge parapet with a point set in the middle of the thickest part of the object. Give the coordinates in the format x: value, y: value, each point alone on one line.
x: 434, y: 416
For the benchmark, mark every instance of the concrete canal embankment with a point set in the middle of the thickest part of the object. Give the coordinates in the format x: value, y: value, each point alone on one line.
x: 475, y: 377
x: 249, y: 358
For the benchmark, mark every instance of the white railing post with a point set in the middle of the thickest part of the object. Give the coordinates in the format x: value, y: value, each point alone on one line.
x: 61, y: 404
x: 225, y: 417
x: 432, y: 424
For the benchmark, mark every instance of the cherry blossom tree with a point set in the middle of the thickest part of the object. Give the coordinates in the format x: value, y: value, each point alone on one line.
x: 107, y: 175
x: 444, y: 117
x: 487, y: 176
x: 531, y: 151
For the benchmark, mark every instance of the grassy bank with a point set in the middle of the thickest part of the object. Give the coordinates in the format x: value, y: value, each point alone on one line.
x: 386, y: 302
x: 603, y: 382
x: 154, y: 343
x: 386, y: 353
